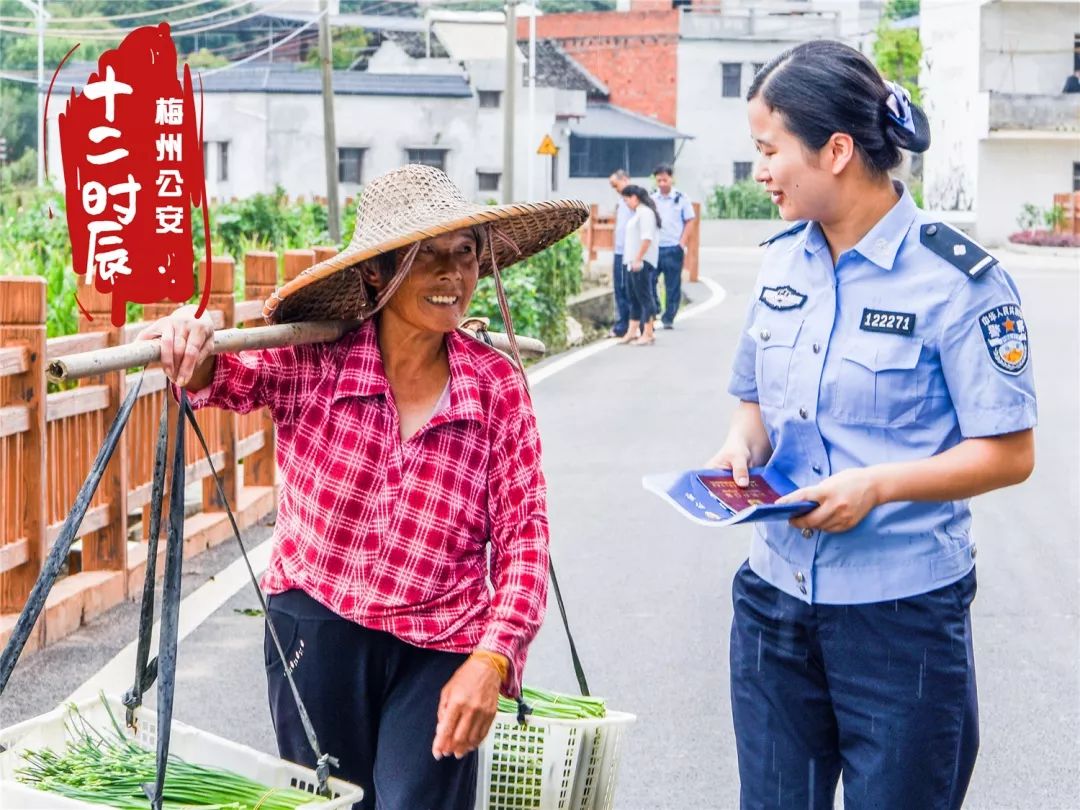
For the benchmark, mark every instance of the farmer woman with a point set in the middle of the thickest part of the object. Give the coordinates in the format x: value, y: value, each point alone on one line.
x: 405, y: 450
x: 884, y: 368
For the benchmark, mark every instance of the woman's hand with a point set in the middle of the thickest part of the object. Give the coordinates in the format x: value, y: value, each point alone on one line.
x: 843, y: 501
x: 734, y: 456
x: 636, y: 266
x: 186, y: 342
x: 467, y: 708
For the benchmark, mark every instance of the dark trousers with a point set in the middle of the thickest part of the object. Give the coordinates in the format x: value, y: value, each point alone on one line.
x: 670, y: 267
x: 622, y: 296
x: 882, y: 693
x: 373, y: 701
x: 639, y: 282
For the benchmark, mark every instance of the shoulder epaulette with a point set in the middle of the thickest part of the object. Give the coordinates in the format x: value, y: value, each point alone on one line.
x: 798, y: 226
x: 956, y: 248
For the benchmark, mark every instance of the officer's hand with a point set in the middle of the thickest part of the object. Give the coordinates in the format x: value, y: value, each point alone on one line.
x: 467, y: 708
x: 844, y: 500
x: 734, y: 456
x: 186, y: 341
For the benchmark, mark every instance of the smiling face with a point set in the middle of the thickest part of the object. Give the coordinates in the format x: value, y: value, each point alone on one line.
x: 436, y: 294
x: 800, y: 182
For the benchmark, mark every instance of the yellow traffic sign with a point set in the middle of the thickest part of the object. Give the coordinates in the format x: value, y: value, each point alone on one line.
x: 547, y: 147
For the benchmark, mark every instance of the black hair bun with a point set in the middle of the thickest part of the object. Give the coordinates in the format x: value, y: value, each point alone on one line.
x: 899, y: 135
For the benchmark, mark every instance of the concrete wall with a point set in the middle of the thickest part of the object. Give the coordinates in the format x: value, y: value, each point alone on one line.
x: 950, y: 78
x: 1013, y: 172
x: 1027, y: 47
x: 718, y: 124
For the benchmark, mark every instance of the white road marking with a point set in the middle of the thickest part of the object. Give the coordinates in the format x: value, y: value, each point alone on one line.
x: 117, y: 676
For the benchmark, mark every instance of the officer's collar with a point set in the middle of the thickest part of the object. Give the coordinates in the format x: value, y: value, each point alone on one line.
x: 882, y: 242
x: 660, y: 194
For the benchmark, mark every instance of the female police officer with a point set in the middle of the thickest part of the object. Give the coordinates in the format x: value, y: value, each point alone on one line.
x: 884, y: 368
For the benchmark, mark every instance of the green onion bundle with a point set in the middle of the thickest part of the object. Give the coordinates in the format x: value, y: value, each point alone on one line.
x: 556, y: 706
x: 112, y: 770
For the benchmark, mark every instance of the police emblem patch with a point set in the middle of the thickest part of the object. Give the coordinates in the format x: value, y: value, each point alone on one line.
x: 781, y: 298
x: 1005, y: 335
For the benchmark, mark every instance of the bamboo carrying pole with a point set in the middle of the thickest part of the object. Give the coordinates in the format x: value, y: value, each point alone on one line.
x: 144, y: 352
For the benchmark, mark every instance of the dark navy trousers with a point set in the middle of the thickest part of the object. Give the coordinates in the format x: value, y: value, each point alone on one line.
x: 670, y: 268
x: 622, y: 296
x: 881, y: 694
x: 373, y: 701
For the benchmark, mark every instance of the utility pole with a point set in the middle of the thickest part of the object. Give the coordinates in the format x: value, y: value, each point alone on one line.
x: 532, y: 99
x: 40, y: 16
x: 333, y: 213
x: 508, y: 103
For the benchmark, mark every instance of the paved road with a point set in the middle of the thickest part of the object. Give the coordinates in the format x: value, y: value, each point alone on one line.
x: 649, y: 595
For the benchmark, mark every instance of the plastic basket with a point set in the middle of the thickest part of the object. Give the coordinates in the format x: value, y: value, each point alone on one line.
x: 551, y: 764
x: 186, y: 742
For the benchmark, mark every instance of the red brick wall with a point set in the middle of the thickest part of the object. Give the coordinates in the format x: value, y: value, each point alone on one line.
x: 633, y: 53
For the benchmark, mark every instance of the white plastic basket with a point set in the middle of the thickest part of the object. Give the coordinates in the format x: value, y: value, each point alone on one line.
x: 186, y: 742
x: 551, y: 764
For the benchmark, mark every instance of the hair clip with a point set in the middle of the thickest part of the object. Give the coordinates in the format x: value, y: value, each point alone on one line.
x: 898, y: 105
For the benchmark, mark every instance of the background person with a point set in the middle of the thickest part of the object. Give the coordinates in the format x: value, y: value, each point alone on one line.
x: 677, y: 212
x: 641, y: 256
x: 620, y: 180
x: 884, y: 368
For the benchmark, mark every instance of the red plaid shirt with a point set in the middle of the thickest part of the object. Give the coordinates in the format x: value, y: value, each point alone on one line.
x: 393, y: 535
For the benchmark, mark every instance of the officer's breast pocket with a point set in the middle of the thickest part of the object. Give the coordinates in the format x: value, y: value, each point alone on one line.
x: 880, y: 383
x: 775, y: 338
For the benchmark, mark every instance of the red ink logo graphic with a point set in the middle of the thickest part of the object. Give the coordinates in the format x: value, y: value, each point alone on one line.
x: 132, y: 157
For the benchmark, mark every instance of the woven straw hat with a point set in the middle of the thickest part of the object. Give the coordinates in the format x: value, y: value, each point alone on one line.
x: 401, y: 209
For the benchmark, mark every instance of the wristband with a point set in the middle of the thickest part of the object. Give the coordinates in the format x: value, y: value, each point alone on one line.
x: 499, y: 662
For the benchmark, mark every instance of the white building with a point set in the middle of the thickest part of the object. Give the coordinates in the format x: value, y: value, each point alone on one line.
x: 1002, y: 131
x: 263, y: 127
x: 720, y: 51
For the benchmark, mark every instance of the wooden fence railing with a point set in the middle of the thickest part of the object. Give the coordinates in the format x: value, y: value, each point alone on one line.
x: 48, y: 442
x: 598, y: 233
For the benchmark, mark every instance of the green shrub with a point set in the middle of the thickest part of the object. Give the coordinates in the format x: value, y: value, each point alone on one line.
x: 743, y: 200
x: 537, y: 290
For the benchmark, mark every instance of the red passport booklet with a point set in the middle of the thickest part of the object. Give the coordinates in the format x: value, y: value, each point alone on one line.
x: 736, y: 498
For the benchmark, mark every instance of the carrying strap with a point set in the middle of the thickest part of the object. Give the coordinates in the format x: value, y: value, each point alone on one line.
x: 323, y: 761
x: 54, y: 562
x: 504, y: 309
x: 145, y: 673
x: 170, y: 611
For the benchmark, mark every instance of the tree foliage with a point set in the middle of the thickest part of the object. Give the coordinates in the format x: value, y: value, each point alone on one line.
x: 898, y: 51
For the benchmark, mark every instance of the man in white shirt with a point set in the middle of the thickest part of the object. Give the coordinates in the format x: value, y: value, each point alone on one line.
x: 676, y: 213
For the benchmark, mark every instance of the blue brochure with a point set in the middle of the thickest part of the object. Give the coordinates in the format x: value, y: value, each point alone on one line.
x: 712, y: 498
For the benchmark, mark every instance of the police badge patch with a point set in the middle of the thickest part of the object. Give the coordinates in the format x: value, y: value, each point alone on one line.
x: 1005, y: 335
x: 781, y: 298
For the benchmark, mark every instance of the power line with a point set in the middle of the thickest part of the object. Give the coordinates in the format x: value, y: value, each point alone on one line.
x: 118, y: 33
x: 133, y: 15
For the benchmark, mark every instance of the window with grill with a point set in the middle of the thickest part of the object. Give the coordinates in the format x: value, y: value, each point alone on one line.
x: 223, y: 161
x: 1076, y: 176
x: 489, y: 99
x: 350, y: 165
x: 743, y: 170
x: 487, y: 181
x: 428, y: 157
x: 599, y: 157
x: 732, y: 83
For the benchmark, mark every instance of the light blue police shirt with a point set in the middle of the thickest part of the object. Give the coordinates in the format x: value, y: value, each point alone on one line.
x: 675, y: 211
x: 623, y: 212
x: 894, y: 355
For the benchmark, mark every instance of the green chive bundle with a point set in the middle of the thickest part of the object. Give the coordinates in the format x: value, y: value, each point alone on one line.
x: 556, y: 706
x: 112, y: 769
